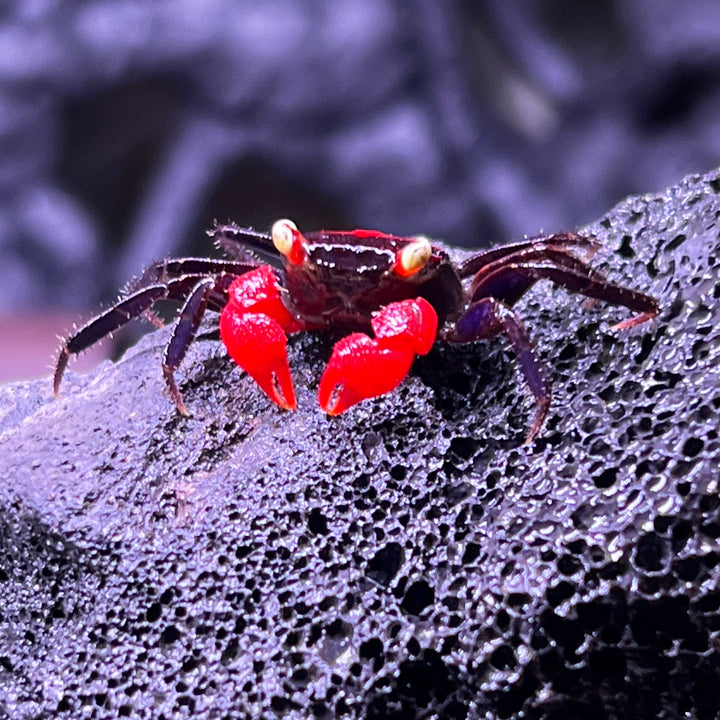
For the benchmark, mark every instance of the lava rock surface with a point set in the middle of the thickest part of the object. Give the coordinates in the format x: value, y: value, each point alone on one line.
x: 410, y: 559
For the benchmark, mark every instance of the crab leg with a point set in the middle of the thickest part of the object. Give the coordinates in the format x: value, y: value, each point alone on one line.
x: 558, y: 241
x: 489, y: 317
x: 107, y: 322
x: 362, y: 367
x: 137, y: 304
x: 239, y: 243
x: 507, y: 280
x: 185, y: 330
x: 165, y: 271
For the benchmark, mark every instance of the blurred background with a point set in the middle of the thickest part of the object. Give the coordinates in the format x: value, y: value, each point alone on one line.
x: 127, y: 126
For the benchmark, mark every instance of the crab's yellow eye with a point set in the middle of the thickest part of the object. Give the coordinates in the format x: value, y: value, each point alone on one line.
x: 288, y: 241
x: 413, y: 257
x: 283, y: 232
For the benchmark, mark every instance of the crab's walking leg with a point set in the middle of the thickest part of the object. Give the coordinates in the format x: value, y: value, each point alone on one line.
x: 253, y: 326
x: 509, y: 278
x: 107, y: 322
x: 509, y: 281
x: 362, y: 367
x: 184, y: 333
x: 134, y: 305
x: 180, y: 274
x: 558, y: 241
x: 488, y: 317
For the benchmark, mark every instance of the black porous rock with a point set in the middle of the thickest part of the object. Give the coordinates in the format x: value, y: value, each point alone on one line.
x: 409, y: 559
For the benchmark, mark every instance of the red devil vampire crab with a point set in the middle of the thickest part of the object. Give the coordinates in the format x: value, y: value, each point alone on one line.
x: 403, y: 290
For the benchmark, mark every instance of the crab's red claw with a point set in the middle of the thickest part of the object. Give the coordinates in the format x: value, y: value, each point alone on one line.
x: 359, y: 369
x: 362, y: 367
x: 411, y: 323
x: 257, y: 343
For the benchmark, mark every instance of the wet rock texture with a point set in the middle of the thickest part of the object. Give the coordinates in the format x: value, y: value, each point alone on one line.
x: 410, y: 559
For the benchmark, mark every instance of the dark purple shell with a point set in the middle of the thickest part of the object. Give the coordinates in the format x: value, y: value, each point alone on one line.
x: 348, y: 276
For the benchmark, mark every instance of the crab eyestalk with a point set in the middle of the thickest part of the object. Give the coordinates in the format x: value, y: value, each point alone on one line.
x: 413, y: 257
x: 288, y: 241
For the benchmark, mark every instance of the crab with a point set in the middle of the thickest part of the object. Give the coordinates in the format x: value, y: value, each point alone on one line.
x: 394, y: 296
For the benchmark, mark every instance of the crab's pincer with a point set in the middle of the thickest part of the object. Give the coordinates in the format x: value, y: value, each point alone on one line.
x: 362, y: 367
x: 253, y: 326
x: 258, y: 345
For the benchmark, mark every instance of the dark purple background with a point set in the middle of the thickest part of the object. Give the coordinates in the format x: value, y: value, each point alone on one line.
x: 127, y: 126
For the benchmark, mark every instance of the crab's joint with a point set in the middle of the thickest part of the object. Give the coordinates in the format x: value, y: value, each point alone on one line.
x: 413, y: 257
x: 289, y: 241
